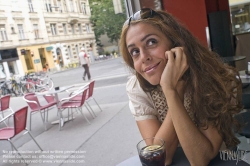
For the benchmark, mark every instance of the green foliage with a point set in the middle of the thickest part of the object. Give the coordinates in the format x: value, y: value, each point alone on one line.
x: 105, y: 21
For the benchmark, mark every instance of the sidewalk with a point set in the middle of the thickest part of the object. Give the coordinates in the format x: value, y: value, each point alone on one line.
x: 109, y: 139
x: 92, y: 63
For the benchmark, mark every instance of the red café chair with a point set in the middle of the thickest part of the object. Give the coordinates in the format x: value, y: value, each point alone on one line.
x: 67, y: 103
x: 35, y: 107
x: 79, y: 98
x: 20, y: 118
x: 90, y: 95
x: 5, y: 106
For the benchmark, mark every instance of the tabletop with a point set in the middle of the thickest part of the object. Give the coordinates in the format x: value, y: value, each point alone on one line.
x: 53, y: 91
x: 180, y: 159
x: 232, y: 58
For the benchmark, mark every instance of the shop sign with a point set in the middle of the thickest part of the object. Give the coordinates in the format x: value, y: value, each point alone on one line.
x: 36, y: 61
x: 49, y: 48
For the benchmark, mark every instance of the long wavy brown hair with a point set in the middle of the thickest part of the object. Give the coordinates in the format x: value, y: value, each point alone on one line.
x: 216, y: 91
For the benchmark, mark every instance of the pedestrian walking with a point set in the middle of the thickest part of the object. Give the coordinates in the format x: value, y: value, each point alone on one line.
x: 84, y: 60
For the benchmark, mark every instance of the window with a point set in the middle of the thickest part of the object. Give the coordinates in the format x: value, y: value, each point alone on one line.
x: 69, y: 51
x: 65, y: 6
x: 36, y: 33
x: 48, y: 5
x: 76, y: 5
x: 71, y: 6
x: 53, y: 29
x: 87, y: 28
x: 72, y: 28
x: 15, y: 5
x: 59, y: 6
x: 21, y: 31
x: 83, y: 8
x: 77, y: 51
x: 30, y: 6
x: 80, y: 28
x: 64, y: 29
x: 3, y: 33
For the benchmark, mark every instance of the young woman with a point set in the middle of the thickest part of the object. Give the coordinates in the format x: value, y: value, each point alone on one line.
x: 180, y: 92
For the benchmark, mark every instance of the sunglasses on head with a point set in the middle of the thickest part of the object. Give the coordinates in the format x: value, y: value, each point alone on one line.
x: 141, y: 14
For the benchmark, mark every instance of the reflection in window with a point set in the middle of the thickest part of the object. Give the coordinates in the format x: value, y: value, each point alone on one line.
x: 21, y: 31
x: 72, y: 28
x: 3, y: 33
x: 53, y: 29
x: 64, y: 29
x: 69, y: 51
x: 80, y: 28
x: 77, y: 50
x: 240, y: 18
x: 71, y: 6
x: 30, y: 6
x: 36, y: 33
x: 83, y: 8
x: 87, y: 28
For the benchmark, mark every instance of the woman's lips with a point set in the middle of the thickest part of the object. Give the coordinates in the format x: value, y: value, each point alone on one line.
x: 151, y: 68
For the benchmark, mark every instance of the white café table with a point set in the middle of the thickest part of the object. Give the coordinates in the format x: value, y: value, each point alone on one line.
x: 55, y: 92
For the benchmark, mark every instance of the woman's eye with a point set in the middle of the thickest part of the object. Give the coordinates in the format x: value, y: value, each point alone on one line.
x: 134, y: 53
x: 151, y: 42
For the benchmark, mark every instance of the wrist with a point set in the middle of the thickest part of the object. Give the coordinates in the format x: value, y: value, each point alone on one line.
x: 169, y: 92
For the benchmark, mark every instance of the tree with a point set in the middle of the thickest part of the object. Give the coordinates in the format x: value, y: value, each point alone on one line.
x: 105, y: 21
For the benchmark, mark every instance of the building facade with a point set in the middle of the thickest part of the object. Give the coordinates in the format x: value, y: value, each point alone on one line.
x: 39, y: 32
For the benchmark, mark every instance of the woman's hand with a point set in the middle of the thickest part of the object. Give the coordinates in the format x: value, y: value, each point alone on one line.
x: 174, y: 70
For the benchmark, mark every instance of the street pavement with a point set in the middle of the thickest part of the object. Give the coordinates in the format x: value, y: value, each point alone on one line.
x: 109, y: 139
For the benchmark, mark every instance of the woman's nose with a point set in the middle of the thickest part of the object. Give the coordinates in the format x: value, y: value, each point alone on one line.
x: 145, y: 56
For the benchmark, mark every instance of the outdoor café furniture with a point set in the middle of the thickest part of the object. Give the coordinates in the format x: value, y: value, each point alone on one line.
x: 67, y: 103
x: 52, y: 96
x: 79, y: 98
x: 90, y: 94
x: 180, y: 159
x: 35, y: 106
x: 20, y: 118
x: 232, y: 58
x: 4, y: 107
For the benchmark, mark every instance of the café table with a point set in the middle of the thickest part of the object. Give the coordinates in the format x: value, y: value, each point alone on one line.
x: 232, y: 58
x: 180, y: 159
x: 55, y: 92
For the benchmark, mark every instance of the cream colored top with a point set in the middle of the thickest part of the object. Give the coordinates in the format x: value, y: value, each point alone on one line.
x: 150, y: 105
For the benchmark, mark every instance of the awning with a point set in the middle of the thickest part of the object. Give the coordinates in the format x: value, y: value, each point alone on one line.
x: 49, y: 48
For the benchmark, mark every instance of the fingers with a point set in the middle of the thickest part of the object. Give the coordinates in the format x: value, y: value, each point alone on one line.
x: 175, y: 54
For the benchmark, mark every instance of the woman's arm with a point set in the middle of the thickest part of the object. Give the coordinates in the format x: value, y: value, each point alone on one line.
x: 152, y: 128
x: 199, y: 145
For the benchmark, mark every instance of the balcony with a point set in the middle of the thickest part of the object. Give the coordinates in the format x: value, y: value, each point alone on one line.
x: 6, y: 43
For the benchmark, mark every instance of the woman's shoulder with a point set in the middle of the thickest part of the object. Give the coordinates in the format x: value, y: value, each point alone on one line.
x: 131, y: 83
x: 133, y: 86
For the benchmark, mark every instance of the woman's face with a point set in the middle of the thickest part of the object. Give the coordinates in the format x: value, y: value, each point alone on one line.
x: 147, y: 46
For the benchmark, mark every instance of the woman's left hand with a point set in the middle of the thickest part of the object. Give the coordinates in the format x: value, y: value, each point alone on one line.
x: 174, y: 70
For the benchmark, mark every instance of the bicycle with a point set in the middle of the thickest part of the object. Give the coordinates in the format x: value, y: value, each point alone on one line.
x: 10, y: 87
x: 35, y: 84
